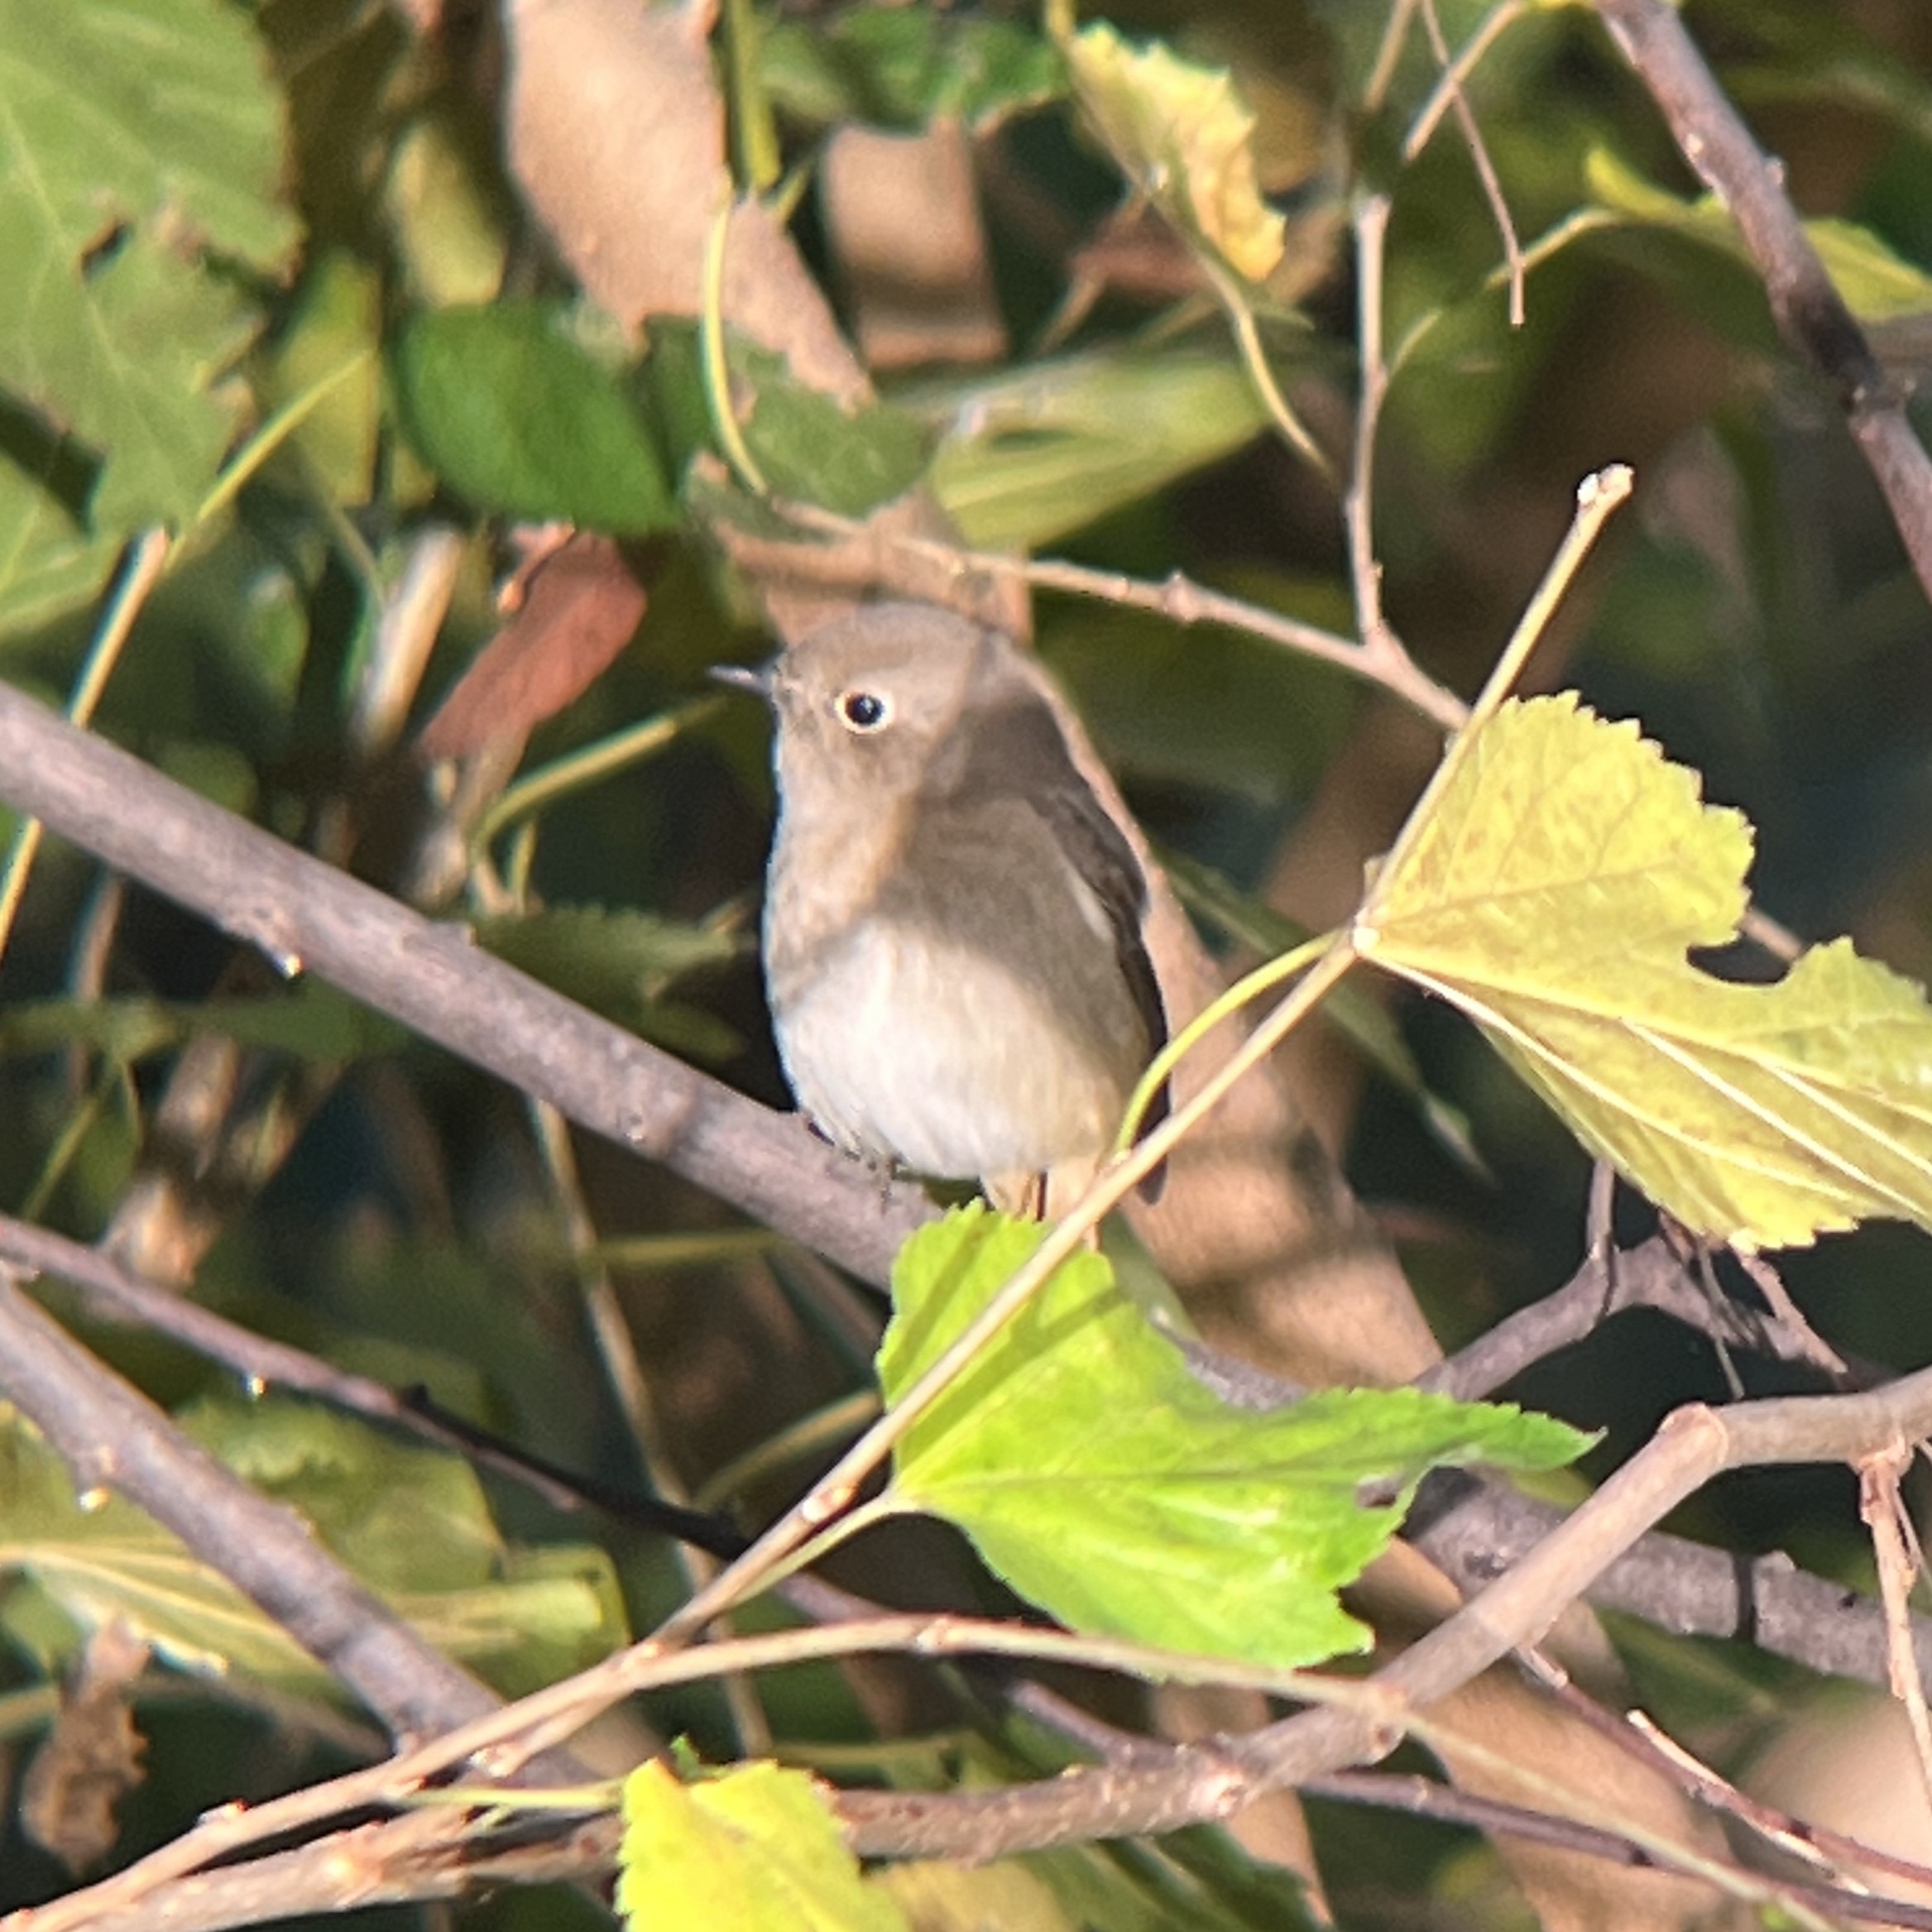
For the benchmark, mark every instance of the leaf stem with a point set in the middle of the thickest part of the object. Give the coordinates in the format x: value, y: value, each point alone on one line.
x: 717, y: 374
x: 549, y: 782
x: 1241, y: 313
x: 271, y: 435
x: 1597, y: 496
x: 1263, y: 979
x: 139, y: 574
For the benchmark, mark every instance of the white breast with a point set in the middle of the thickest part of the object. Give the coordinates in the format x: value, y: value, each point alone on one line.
x: 932, y: 1057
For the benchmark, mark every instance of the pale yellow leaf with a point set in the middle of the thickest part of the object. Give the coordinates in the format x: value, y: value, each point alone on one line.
x: 1553, y: 890
x: 1185, y: 137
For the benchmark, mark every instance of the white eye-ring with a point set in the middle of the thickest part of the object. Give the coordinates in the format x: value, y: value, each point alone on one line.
x: 864, y: 711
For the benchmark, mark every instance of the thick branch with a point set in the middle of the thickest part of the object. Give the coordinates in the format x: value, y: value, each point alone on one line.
x: 1214, y: 1779
x: 1471, y: 1528
x: 1809, y: 312
x: 313, y: 918
x: 113, y: 1438
x: 1652, y: 1275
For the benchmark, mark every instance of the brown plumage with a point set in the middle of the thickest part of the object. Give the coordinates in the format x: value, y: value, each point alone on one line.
x: 953, y: 929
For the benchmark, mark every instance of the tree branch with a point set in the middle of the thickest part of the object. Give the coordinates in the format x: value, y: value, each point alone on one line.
x: 1216, y: 1778
x: 308, y: 916
x: 1471, y: 1528
x: 112, y: 1437
x: 1810, y: 314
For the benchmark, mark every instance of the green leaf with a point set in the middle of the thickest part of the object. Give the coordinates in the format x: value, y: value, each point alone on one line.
x: 1184, y: 138
x: 519, y: 416
x: 619, y: 963
x: 1201, y: 705
x: 134, y: 136
x: 412, y: 1521
x: 312, y: 1020
x: 1033, y: 455
x: 751, y: 1850
x: 50, y: 561
x: 405, y: 1516
x: 1551, y: 888
x: 942, y: 1895
x: 95, y: 1558
x: 806, y: 445
x: 542, y: 1613
x: 1098, y: 1477
x: 897, y: 66
x: 329, y: 348
x: 1877, y: 284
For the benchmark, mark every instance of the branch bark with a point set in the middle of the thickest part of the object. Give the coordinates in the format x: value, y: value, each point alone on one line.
x: 309, y: 917
x: 1810, y: 314
x: 112, y: 1437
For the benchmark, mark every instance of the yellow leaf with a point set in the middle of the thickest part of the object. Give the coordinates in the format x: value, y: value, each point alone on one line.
x: 1185, y: 137
x: 1552, y: 890
x: 754, y: 1849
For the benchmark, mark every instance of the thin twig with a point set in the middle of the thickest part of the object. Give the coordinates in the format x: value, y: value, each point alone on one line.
x: 1178, y: 597
x: 1387, y: 54
x: 1450, y: 82
x: 1816, y: 1845
x: 1651, y: 1275
x: 1240, y: 311
x: 1465, y: 119
x: 1359, y: 501
x: 616, y: 1349
x: 140, y: 572
x: 408, y: 621
x: 1898, y: 1560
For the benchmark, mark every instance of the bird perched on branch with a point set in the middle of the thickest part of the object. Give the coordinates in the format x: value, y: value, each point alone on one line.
x: 953, y: 926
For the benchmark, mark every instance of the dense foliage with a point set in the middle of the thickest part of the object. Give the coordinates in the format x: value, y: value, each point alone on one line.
x: 398, y: 416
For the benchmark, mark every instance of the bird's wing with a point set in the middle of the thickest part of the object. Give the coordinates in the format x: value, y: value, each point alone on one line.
x: 1019, y: 751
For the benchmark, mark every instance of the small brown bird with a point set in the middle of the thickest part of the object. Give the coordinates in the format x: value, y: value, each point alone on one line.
x: 953, y: 942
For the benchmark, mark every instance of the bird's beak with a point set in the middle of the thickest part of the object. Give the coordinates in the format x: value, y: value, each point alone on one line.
x: 755, y: 679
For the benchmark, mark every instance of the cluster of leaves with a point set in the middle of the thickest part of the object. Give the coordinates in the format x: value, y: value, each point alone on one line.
x: 255, y: 297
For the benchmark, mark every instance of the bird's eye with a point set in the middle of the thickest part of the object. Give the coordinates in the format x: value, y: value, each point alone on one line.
x: 863, y: 710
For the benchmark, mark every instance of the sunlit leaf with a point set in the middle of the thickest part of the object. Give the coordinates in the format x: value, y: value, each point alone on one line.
x: 134, y: 134
x: 1184, y: 138
x: 1552, y: 890
x: 750, y: 1850
x: 1102, y: 1480
x: 411, y: 1522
